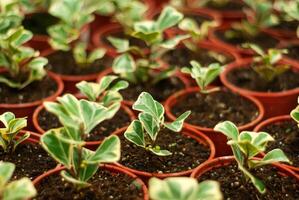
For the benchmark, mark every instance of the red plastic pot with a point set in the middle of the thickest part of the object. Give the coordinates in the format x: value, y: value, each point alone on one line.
x: 26, y: 109
x: 275, y: 103
x: 218, y: 139
x: 109, y: 71
x: 194, y: 134
x: 111, y: 168
x: 39, y: 42
x: 275, y: 120
x: 227, y: 160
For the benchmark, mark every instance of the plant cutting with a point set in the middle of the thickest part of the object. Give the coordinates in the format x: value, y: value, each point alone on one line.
x: 157, y: 144
x: 183, y: 188
x: 268, y: 77
x: 17, y: 189
x: 66, y: 146
x: 211, y: 105
x: 20, y: 147
x: 69, y: 39
x: 22, y: 71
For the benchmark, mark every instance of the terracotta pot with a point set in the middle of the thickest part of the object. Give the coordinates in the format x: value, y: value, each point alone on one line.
x: 275, y: 103
x: 129, y: 103
x: 70, y: 81
x: 194, y: 134
x: 227, y: 160
x: 225, y: 14
x: 110, y: 168
x: 275, y: 120
x: 281, y: 33
x: 39, y: 42
x: 218, y: 139
x: 230, y: 47
x: 26, y: 109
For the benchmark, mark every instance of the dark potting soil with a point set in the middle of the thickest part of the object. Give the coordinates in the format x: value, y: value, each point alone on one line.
x: 64, y: 63
x: 104, y: 185
x: 187, y: 154
x: 216, y: 107
x: 132, y: 40
x: 234, y: 186
x: 33, y: 92
x: 263, y: 40
x: 293, y: 51
x: 286, y: 135
x: 181, y: 57
x: 30, y: 160
x: 247, y: 78
x: 121, y: 119
x: 38, y: 23
x: 229, y: 6
x: 160, y: 91
x: 287, y: 25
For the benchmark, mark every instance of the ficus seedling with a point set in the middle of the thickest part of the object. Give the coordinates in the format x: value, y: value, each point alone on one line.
x: 183, y: 188
x: 245, y: 146
x: 9, y: 135
x: 17, y: 189
x: 144, y: 131
x: 66, y: 144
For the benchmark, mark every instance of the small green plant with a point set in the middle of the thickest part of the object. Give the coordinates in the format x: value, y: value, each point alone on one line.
x: 10, y: 16
x: 66, y: 34
x: 9, y: 138
x: 105, y: 92
x: 203, y: 75
x: 66, y: 144
x: 144, y: 131
x: 22, y: 63
x: 184, y: 188
x: 135, y: 66
x: 266, y: 64
x: 14, y: 190
x: 248, y: 144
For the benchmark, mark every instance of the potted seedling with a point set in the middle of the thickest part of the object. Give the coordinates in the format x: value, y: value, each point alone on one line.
x: 24, y: 83
x: 249, y: 30
x: 245, y: 176
x: 105, y: 93
x: 71, y: 56
x: 164, y: 148
x: 268, y: 77
x: 183, y: 188
x: 211, y: 105
x: 80, y: 174
x: 143, y: 70
x: 284, y: 129
x: 21, y: 147
x: 17, y: 189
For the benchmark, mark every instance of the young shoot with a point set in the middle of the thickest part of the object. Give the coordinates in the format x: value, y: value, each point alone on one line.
x: 9, y: 135
x: 144, y: 131
x: 14, y: 190
x: 245, y: 146
x: 106, y: 92
x: 183, y: 188
x: 203, y: 75
x: 66, y: 144
x: 266, y: 63
x: 65, y: 35
x: 22, y: 63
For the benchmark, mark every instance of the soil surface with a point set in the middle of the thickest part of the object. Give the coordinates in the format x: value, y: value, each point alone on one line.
x: 187, y: 154
x: 30, y: 160
x: 33, y: 92
x: 209, y: 110
x: 287, y: 25
x: 104, y: 185
x: 293, y: 51
x: 263, y: 40
x: 38, y: 23
x: 247, y: 78
x: 230, y: 6
x: 132, y: 40
x: 286, y: 135
x: 121, y: 119
x: 181, y: 57
x: 234, y: 186
x: 64, y: 63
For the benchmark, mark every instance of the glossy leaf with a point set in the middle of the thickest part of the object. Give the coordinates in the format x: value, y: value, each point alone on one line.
x: 135, y: 134
x: 177, y: 124
x: 168, y: 18
x: 123, y: 64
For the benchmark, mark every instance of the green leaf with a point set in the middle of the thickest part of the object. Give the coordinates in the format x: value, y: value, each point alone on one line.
x: 122, y: 45
x: 19, y: 37
x: 79, y: 52
x: 168, y: 18
x: 123, y: 64
x: 135, y: 134
x: 229, y: 129
x: 6, y: 172
x: 20, y: 189
x: 208, y: 190
x: 96, y: 54
x: 71, y: 179
x: 177, y: 125
x: 173, y: 42
x: 150, y: 125
x: 21, y: 139
x: 6, y: 117
x: 275, y: 155
x: 160, y: 152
